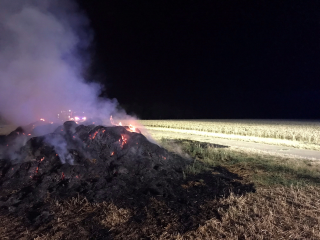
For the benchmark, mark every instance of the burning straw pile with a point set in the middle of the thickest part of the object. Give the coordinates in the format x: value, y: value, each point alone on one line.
x: 111, y: 164
x: 102, y: 163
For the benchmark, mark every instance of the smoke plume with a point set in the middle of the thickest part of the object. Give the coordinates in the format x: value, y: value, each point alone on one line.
x: 42, y: 46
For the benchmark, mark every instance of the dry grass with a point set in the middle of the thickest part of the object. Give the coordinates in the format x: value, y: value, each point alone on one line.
x: 271, y: 213
x: 68, y: 221
x: 301, y: 134
x: 70, y: 213
x: 286, y: 205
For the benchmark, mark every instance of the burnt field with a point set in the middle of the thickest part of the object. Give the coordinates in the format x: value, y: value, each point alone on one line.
x: 82, y: 174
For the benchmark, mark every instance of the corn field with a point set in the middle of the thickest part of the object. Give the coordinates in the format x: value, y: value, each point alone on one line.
x: 302, y: 131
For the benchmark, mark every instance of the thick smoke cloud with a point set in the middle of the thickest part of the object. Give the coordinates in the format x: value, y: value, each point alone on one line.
x: 41, y: 61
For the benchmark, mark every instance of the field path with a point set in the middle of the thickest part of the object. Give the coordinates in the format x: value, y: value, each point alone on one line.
x: 247, y: 146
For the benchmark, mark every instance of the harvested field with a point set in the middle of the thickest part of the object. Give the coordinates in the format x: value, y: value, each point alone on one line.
x: 299, y: 134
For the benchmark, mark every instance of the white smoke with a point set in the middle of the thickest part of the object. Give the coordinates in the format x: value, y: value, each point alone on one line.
x: 41, y: 61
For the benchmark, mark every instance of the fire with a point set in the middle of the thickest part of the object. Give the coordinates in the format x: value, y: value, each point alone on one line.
x: 91, y: 137
x: 123, y: 140
x: 41, y: 119
x: 95, y: 134
x: 130, y: 128
x: 112, y: 154
x: 62, y: 176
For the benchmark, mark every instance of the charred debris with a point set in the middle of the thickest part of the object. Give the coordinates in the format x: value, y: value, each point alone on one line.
x: 99, y: 163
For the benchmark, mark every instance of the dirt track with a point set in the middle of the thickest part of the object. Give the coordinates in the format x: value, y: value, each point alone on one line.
x: 247, y: 146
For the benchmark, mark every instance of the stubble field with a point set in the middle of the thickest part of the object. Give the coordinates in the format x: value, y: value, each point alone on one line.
x: 299, y: 134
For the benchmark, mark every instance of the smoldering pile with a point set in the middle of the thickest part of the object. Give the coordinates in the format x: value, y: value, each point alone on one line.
x: 98, y: 162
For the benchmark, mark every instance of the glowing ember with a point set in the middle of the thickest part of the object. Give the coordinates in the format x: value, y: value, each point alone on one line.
x: 123, y: 140
x: 112, y: 154
x: 95, y: 134
x: 41, y: 119
x: 62, y: 176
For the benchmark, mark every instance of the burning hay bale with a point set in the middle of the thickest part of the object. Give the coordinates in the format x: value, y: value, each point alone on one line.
x: 101, y: 163
x: 106, y: 164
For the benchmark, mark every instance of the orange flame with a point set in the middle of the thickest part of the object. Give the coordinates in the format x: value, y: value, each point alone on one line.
x: 123, y: 140
x: 95, y: 134
x: 130, y: 128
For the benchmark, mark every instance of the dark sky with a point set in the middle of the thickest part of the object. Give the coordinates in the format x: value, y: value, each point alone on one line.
x: 208, y: 59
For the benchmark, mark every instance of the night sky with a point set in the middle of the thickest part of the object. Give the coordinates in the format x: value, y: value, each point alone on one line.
x: 208, y: 59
